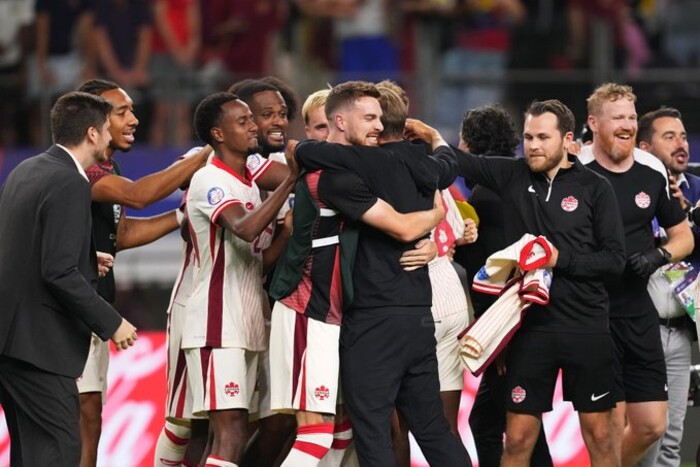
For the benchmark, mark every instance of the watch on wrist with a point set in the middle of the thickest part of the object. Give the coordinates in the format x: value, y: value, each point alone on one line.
x: 666, y: 254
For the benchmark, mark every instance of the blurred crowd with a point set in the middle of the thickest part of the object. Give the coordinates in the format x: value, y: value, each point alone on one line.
x: 169, y: 53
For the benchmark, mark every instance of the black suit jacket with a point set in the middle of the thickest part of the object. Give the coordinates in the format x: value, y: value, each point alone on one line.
x: 48, y: 268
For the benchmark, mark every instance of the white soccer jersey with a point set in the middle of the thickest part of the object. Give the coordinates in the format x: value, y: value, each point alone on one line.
x: 228, y: 301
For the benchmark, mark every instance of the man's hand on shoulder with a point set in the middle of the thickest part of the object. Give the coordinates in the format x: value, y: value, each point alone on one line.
x: 291, y: 160
x: 416, y: 129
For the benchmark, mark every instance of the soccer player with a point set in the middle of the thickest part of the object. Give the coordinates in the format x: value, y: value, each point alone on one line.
x: 314, y: 114
x: 548, y: 193
x: 229, y: 225
x: 642, y: 194
x: 113, y: 231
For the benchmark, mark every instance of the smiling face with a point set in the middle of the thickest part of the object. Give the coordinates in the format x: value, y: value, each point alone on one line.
x: 615, y: 128
x: 237, y: 131
x: 669, y: 143
x: 270, y: 114
x: 122, y: 120
x: 317, y: 127
x: 544, y: 147
x: 360, y: 122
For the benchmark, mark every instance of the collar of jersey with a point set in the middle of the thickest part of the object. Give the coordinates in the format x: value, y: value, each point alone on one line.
x: 220, y: 164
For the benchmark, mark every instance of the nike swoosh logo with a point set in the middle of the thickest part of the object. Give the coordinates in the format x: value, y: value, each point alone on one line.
x: 530, y: 189
x: 595, y: 398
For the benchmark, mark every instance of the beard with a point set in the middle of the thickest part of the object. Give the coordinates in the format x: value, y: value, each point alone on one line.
x: 617, y: 152
x: 540, y: 165
x: 265, y: 147
x: 257, y: 149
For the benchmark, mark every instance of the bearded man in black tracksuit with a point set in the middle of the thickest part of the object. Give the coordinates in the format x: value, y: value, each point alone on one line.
x: 548, y: 193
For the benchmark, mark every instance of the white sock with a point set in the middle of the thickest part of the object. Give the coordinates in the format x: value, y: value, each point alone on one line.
x: 342, y: 439
x: 171, y: 445
x: 311, y: 444
x: 216, y: 461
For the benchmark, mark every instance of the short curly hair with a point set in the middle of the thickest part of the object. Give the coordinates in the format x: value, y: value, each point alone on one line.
x: 489, y: 131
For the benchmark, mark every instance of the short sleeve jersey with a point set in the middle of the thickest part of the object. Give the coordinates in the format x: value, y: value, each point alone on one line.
x: 641, y: 195
x: 228, y: 302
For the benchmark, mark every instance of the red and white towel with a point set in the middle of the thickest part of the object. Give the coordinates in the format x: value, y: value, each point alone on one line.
x: 516, y: 274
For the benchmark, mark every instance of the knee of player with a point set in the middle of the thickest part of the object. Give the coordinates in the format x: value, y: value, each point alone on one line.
x: 518, y: 441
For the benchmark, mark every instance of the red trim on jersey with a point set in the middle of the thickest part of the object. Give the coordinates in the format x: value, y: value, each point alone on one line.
x: 183, y: 396
x: 215, y: 311
x: 174, y: 438
x: 310, y: 448
x: 301, y: 324
x: 221, y: 165
x: 180, y: 370
x: 212, y: 384
x: 266, y: 165
x: 220, y: 209
x: 97, y: 172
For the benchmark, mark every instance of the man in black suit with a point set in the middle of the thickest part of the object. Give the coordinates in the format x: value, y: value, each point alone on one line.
x: 48, y: 274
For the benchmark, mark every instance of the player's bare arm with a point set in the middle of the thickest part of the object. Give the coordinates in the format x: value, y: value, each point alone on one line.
x: 404, y: 227
x: 151, y: 188
x: 248, y: 225
x: 137, y: 231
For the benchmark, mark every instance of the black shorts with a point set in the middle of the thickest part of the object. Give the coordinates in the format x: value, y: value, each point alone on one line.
x: 640, y: 367
x: 533, y: 363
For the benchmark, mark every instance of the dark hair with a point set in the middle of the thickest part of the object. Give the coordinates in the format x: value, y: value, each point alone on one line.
x: 208, y: 114
x: 565, y: 118
x: 247, y: 88
x: 98, y: 87
x: 74, y: 113
x: 347, y: 93
x: 290, y: 97
x: 394, y: 112
x: 586, y: 134
x: 646, y: 123
x: 489, y: 130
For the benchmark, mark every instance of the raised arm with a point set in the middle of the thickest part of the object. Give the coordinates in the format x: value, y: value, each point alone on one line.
x: 151, y: 188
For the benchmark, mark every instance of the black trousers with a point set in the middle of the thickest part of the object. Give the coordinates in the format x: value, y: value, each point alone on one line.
x: 387, y: 361
x: 487, y: 421
x: 42, y: 412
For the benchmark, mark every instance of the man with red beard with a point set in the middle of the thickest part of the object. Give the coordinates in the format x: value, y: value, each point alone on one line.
x: 661, y: 132
x: 642, y: 194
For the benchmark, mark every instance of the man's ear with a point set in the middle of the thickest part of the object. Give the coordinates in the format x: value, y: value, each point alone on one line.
x: 644, y: 146
x: 339, y: 122
x: 592, y: 123
x: 216, y: 134
x: 92, y: 134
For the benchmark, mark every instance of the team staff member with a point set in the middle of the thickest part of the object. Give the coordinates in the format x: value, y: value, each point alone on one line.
x: 642, y: 194
x: 662, y: 133
x: 387, y: 339
x: 113, y: 231
x: 548, y: 193
x: 48, y: 272
x: 489, y: 131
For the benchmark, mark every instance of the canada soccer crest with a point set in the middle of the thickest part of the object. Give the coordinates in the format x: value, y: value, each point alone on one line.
x: 232, y: 389
x: 518, y: 394
x: 322, y: 393
x: 569, y: 204
x: 642, y: 200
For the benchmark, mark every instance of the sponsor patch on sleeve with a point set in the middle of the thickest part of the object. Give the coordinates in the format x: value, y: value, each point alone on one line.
x: 215, y: 195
